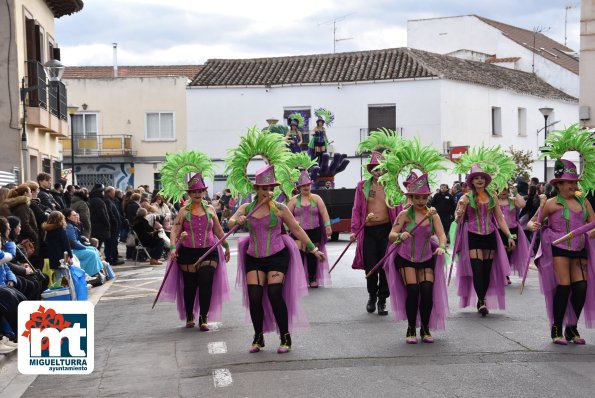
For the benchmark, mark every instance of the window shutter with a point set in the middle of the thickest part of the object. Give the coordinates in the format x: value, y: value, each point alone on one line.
x: 382, y: 116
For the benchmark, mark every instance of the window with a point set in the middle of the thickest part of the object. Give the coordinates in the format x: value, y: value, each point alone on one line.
x: 522, y: 122
x: 159, y: 126
x: 85, y: 133
x: 382, y: 116
x: 496, y: 121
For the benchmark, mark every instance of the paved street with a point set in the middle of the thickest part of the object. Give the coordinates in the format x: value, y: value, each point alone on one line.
x: 345, y: 352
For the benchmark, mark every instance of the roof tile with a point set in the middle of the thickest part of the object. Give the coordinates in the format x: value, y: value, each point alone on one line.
x: 103, y: 72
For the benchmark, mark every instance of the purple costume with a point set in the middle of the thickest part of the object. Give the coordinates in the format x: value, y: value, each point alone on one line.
x: 200, y: 235
x: 358, y: 220
x: 520, y: 253
x: 267, y: 238
x: 479, y: 219
x: 419, y: 248
x: 310, y: 218
x: 560, y: 223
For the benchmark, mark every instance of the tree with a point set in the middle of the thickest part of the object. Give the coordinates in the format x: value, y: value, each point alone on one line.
x: 523, y: 160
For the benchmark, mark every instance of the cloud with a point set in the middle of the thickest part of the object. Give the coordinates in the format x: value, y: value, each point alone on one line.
x: 190, y: 31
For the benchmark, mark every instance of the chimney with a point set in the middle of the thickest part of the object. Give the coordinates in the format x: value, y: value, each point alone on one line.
x: 115, y: 45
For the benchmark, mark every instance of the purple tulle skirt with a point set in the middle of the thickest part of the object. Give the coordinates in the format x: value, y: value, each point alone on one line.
x: 398, y: 291
x: 520, y: 254
x: 294, y: 287
x: 173, y: 289
x: 495, y: 296
x: 548, y: 282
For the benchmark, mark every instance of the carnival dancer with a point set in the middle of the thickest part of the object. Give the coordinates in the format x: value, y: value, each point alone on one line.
x: 482, y: 263
x: 269, y: 265
x: 195, y: 230
x: 415, y: 270
x: 319, y: 143
x: 371, y: 221
x: 567, y: 269
x: 311, y: 213
x: 510, y: 208
x: 294, y: 135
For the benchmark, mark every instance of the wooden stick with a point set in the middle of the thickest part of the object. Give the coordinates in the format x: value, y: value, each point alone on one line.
x: 394, y: 246
x: 345, y: 250
x: 454, y: 247
x: 531, y: 246
x: 170, y: 266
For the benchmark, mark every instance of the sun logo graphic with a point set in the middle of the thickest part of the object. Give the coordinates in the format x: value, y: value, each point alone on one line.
x: 56, y: 337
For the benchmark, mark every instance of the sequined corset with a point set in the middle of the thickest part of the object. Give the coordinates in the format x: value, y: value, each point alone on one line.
x: 480, y: 220
x: 510, y: 216
x: 200, y: 232
x: 417, y: 248
x: 264, y: 239
x: 306, y: 216
x: 560, y: 227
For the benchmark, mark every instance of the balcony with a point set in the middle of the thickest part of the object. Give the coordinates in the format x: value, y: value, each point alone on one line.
x: 46, y: 105
x: 99, y: 145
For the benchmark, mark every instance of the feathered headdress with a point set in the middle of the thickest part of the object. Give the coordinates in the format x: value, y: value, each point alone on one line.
x: 271, y: 146
x: 297, y: 161
x: 399, y: 163
x: 382, y: 140
x: 326, y: 115
x: 176, y: 168
x: 299, y: 117
x: 493, y: 160
x: 575, y: 138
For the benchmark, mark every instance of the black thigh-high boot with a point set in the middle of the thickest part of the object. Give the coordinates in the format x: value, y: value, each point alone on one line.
x: 560, y: 303
x: 478, y: 278
x: 312, y: 265
x: 412, y: 303
x: 275, y: 292
x: 256, y: 310
x: 205, y: 288
x: 190, y: 286
x: 426, y: 301
x: 577, y: 299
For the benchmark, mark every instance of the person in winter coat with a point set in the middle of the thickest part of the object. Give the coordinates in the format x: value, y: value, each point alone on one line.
x: 45, y: 195
x: 100, y: 222
x: 58, y: 195
x: 80, y: 204
x: 56, y: 241
x: 111, y: 245
x: 18, y: 203
x: 148, y: 236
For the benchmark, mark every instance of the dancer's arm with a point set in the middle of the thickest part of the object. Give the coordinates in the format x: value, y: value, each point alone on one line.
x: 503, y: 226
x: 439, y: 231
x: 218, y: 231
x: 324, y: 213
x: 239, y: 217
x: 297, y: 231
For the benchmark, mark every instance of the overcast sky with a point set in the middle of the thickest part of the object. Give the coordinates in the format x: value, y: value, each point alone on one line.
x: 161, y: 32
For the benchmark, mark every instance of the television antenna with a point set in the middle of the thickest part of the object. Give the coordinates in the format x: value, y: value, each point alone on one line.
x: 536, y: 30
x: 569, y: 6
x: 334, y: 22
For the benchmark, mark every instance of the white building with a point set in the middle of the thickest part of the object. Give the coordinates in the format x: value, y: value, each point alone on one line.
x: 443, y: 100
x: 483, y: 39
x: 587, y: 95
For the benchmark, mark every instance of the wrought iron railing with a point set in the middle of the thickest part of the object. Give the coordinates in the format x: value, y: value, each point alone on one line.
x: 36, y: 79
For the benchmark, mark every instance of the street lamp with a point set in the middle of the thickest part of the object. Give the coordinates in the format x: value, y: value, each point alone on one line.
x: 546, y: 112
x: 54, y: 70
x: 72, y: 109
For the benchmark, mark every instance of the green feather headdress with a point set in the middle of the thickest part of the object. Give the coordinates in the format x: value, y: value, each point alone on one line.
x: 271, y: 146
x: 326, y: 115
x: 399, y: 163
x: 382, y: 140
x: 493, y: 160
x: 299, y: 117
x: 176, y: 168
x: 297, y: 161
x: 575, y: 138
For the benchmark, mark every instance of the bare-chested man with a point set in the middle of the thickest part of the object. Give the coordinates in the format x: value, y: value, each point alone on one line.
x: 371, y: 212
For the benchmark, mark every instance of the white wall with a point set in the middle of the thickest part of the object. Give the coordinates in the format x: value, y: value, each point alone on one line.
x: 587, y: 76
x: 217, y: 117
x: 446, y: 35
x: 433, y: 110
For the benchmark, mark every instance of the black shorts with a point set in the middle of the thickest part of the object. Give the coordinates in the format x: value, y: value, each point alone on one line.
x: 482, y: 242
x: 314, y: 235
x: 400, y: 262
x: 513, y: 231
x: 275, y: 262
x: 558, y: 252
x: 189, y: 255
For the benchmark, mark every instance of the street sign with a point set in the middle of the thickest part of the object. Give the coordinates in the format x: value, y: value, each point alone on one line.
x: 456, y: 152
